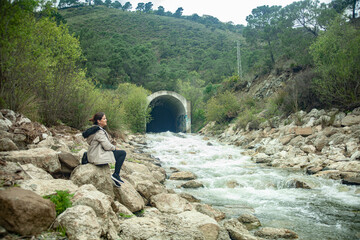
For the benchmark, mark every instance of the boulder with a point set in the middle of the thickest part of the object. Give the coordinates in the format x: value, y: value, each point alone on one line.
x: 275, y: 233
x: 80, y: 223
x: 129, y: 197
x: 25, y: 212
x: 350, y: 120
x: 9, y: 114
x: 207, y: 225
x: 192, y: 184
x: 346, y: 166
x: 306, y: 131
x: 236, y: 230
x: 69, y: 160
x: 45, y: 187
x: 350, y: 178
x: 232, y: 184
x: 44, y: 158
x: 147, y: 189
x: 99, y: 176
x: 5, y: 124
x: 122, y: 210
x: 182, y: 176
x: 189, y: 197
x: 320, y: 142
x: 170, y: 203
x: 250, y: 221
x: 36, y: 173
x: 88, y: 195
x: 210, y: 211
x: 142, y: 228
x: 261, y: 158
x: 7, y: 144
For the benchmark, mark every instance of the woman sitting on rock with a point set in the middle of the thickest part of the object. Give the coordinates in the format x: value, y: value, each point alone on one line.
x: 101, y: 151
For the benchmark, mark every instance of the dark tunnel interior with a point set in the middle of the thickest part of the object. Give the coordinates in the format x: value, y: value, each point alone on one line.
x: 164, y: 115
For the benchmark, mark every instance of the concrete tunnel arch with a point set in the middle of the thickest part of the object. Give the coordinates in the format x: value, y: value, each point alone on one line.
x: 170, y: 112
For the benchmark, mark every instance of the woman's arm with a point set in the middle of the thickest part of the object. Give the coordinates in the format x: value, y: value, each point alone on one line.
x: 104, y: 141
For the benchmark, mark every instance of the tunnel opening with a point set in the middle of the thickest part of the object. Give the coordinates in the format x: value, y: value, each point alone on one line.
x: 168, y: 114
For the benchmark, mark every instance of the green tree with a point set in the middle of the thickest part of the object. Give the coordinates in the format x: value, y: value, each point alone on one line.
x: 337, y: 55
x: 342, y: 5
x: 108, y: 3
x: 160, y: 11
x: 178, y: 12
x: 140, y: 7
x: 307, y: 14
x: 117, y: 5
x: 263, y: 26
x: 148, y: 7
x: 127, y: 6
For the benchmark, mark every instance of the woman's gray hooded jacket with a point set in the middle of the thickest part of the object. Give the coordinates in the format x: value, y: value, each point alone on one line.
x: 100, y: 149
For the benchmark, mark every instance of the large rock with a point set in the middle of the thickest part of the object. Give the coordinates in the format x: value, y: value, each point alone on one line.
x: 5, y: 124
x: 7, y: 144
x: 170, y: 203
x: 80, y: 223
x: 210, y: 211
x: 192, y: 184
x: 237, y: 230
x: 129, y: 197
x: 306, y: 131
x: 88, y: 195
x: 138, y: 228
x: 207, y: 225
x: 250, y: 221
x: 45, y: 187
x: 147, y: 189
x: 183, y: 176
x: 99, y: 176
x: 44, y: 158
x: 69, y: 160
x: 36, y: 173
x: 350, y: 120
x: 24, y: 212
x: 275, y: 233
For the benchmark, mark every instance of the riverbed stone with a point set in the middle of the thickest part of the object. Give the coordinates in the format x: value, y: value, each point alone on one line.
x: 80, y: 223
x: 183, y: 176
x: 192, y: 184
x: 350, y: 120
x: 170, y: 203
x: 129, y: 197
x: 276, y: 233
x: 207, y: 225
x: 237, y: 230
x: 45, y: 187
x: 250, y: 221
x: 209, y: 210
x: 44, y: 158
x: 25, y: 212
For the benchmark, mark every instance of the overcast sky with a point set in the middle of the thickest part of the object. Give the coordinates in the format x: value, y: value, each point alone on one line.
x: 225, y: 10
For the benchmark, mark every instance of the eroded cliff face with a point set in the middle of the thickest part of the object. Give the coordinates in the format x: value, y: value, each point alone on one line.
x: 324, y: 143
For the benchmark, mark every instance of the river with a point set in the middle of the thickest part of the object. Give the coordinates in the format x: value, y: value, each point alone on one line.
x: 330, y: 210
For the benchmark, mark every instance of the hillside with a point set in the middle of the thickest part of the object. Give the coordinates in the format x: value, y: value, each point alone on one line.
x: 150, y: 50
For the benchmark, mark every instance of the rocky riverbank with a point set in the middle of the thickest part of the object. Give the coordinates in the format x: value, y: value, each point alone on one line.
x: 36, y: 161
x: 322, y: 143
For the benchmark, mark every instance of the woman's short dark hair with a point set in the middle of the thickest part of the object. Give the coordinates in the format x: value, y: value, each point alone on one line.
x: 96, y: 117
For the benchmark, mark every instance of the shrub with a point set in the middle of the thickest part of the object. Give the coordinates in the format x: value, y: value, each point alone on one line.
x: 135, y: 107
x: 62, y: 200
x: 337, y: 55
x: 222, y: 108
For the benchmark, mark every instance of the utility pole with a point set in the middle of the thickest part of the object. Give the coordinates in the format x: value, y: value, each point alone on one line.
x: 239, y: 59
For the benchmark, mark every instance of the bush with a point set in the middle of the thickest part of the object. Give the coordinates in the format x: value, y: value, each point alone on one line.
x: 62, y: 200
x: 134, y: 106
x: 337, y: 55
x: 298, y: 94
x: 249, y: 113
x: 222, y: 108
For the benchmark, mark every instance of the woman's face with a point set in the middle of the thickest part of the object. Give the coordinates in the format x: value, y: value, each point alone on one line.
x: 102, y: 122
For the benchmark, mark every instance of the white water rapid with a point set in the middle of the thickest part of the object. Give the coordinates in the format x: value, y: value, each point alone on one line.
x: 329, y: 210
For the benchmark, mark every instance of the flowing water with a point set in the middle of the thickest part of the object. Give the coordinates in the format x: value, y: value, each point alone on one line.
x: 329, y: 210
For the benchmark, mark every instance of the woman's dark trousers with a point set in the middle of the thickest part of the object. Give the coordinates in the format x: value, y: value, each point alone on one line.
x: 119, y: 158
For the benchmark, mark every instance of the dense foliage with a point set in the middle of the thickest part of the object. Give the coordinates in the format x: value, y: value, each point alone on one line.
x: 41, y: 73
x: 107, y: 58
